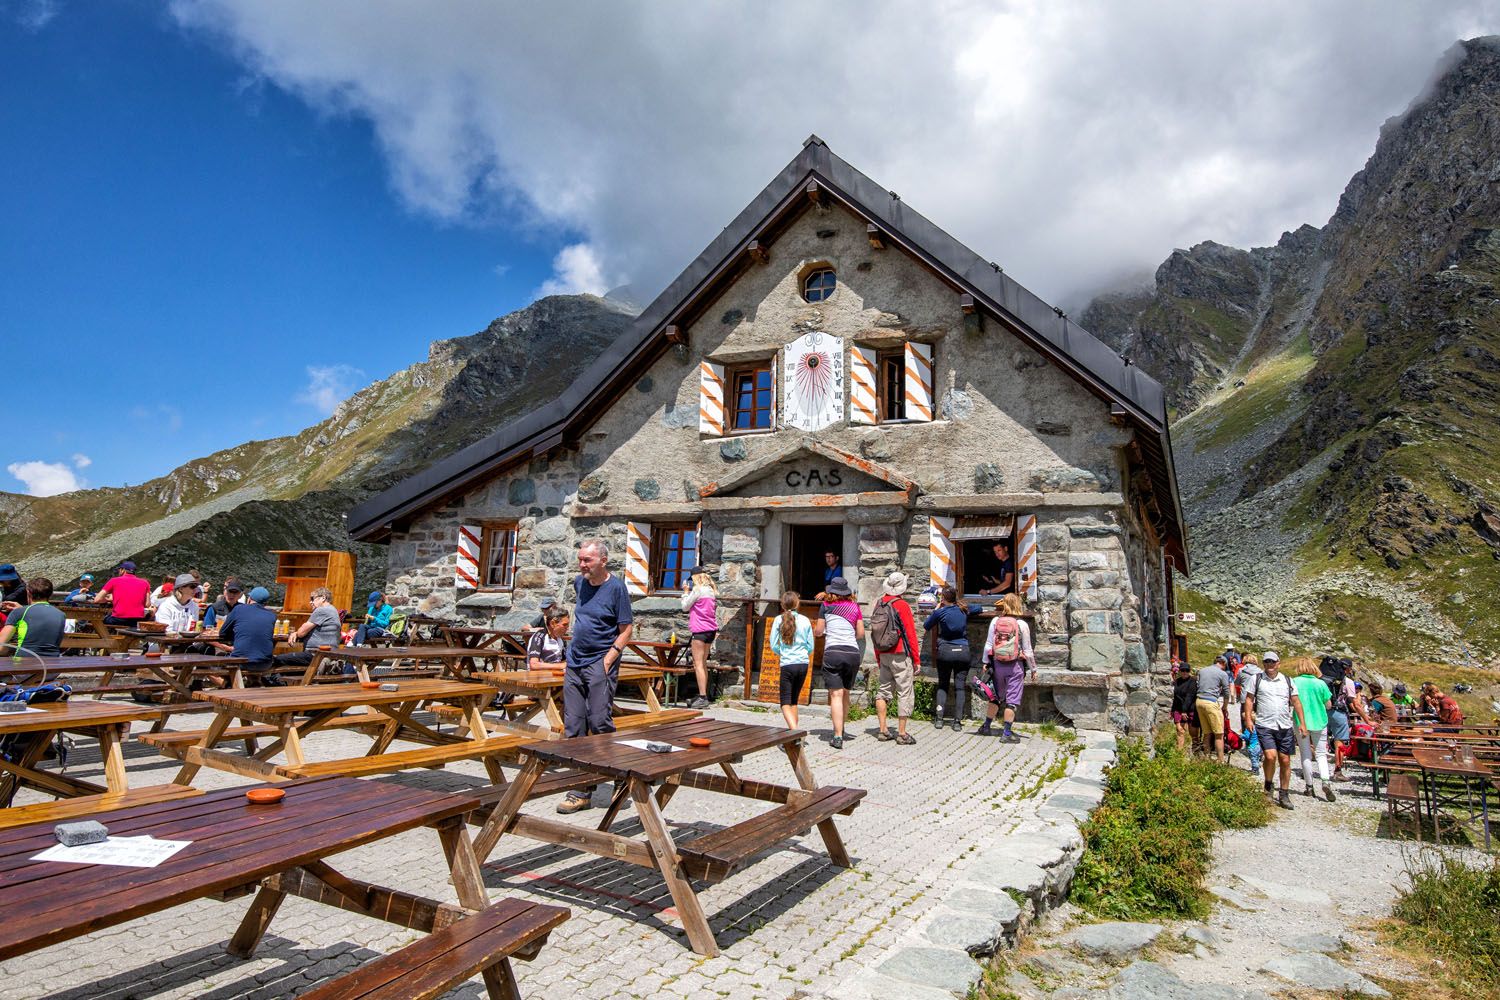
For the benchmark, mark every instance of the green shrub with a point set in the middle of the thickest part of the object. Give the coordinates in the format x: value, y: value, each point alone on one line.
x: 1147, y: 846
x: 1453, y: 908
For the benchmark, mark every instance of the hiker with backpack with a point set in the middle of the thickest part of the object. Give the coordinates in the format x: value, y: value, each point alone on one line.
x: 1007, y: 655
x: 1274, y: 711
x: 1338, y: 674
x: 842, y: 626
x: 894, y: 634
x: 952, y: 656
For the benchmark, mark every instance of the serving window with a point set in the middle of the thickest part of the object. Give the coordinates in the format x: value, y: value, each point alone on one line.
x: 985, y: 555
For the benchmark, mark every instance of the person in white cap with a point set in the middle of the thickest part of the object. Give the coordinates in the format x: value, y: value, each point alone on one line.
x: 1274, y: 709
x: 894, y: 634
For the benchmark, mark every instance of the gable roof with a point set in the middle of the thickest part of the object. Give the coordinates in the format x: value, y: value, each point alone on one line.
x: 815, y: 174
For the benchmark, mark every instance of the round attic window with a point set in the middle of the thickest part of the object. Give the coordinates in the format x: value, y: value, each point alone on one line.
x: 819, y: 284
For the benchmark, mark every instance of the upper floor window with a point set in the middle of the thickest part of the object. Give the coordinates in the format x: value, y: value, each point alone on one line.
x: 497, y: 557
x: 752, y: 398
x: 819, y: 284
x: 891, y: 366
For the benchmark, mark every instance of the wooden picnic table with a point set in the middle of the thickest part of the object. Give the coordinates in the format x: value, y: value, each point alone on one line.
x: 388, y: 713
x: 176, y: 670
x: 93, y: 633
x: 510, y: 642
x: 108, y: 722
x: 450, y: 658
x: 1438, y: 763
x: 650, y: 780
x: 544, y: 689
x: 236, y: 848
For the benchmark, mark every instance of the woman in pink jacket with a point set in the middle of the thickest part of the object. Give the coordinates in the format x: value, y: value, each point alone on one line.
x: 700, y: 600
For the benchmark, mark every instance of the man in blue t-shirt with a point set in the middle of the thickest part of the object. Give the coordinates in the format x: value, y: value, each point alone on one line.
x: 602, y: 622
x: 250, y: 631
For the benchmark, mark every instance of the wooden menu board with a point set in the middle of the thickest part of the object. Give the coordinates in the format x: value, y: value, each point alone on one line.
x: 768, y: 684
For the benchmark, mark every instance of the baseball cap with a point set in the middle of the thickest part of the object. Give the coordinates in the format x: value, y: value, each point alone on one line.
x: 87, y: 576
x: 232, y: 584
x: 128, y: 566
x: 1269, y: 656
x: 184, y: 580
x: 375, y: 595
x: 260, y: 595
x: 547, y: 602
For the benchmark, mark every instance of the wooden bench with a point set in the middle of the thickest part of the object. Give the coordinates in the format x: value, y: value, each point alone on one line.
x: 715, y: 856
x: 404, y: 760
x: 88, y: 805
x: 484, y: 942
x: 1403, y: 797
x: 637, y: 720
x: 175, y: 743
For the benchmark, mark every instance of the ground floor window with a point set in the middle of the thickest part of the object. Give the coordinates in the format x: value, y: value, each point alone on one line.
x: 497, y: 557
x: 674, y: 547
x: 985, y: 556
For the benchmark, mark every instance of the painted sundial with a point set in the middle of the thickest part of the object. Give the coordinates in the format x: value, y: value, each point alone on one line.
x: 813, y: 377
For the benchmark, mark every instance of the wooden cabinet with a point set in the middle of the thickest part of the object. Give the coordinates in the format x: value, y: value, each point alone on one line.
x: 302, y: 571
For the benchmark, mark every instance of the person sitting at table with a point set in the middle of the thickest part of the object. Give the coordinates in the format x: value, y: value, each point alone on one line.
x: 84, y: 591
x: 1445, y: 708
x: 320, y: 629
x: 178, y: 611
x: 549, y: 645
x: 36, y: 626
x: 219, y: 609
x: 161, y: 593
x: 12, y: 589
x: 249, y: 630
x: 127, y: 595
x: 377, y: 619
x: 1382, y: 708
x: 548, y: 603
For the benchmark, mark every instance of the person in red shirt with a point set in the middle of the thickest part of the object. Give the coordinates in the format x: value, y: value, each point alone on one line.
x: 898, y: 663
x: 127, y: 592
x: 1448, y: 712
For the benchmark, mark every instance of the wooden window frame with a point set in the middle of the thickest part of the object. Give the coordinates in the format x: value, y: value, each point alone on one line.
x: 658, y: 555
x: 882, y: 391
x: 958, y: 565
x: 489, y: 531
x: 732, y: 397
x: 824, y: 294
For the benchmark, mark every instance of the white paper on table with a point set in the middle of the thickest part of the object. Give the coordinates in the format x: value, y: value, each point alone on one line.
x: 644, y: 745
x: 127, y: 852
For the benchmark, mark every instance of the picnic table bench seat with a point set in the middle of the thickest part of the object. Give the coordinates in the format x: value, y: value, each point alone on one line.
x: 432, y: 966
x: 87, y: 805
x: 715, y: 856
x: 403, y: 760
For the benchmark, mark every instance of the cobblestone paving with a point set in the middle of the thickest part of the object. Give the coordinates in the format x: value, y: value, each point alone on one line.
x: 792, y: 922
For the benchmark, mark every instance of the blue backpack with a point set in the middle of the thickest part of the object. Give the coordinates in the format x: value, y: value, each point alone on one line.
x: 14, y: 748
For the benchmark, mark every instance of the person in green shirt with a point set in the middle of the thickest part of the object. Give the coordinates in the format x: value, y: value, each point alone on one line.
x: 1312, y: 743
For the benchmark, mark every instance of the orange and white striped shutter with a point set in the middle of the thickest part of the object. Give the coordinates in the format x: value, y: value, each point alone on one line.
x: 918, y: 382
x: 638, y: 558
x: 1026, y: 555
x: 862, y: 375
x: 466, y: 570
x: 941, y: 564
x: 710, y: 399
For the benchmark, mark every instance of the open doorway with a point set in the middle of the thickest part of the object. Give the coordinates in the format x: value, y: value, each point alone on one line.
x: 804, y: 562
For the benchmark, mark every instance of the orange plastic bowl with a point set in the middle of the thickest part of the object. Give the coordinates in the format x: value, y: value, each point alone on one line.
x: 370, y: 685
x: 701, y: 742
x: 265, y: 796
x: 155, y: 655
x: 325, y: 648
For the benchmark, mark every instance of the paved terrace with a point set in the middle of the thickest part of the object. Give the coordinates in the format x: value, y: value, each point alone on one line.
x: 935, y: 843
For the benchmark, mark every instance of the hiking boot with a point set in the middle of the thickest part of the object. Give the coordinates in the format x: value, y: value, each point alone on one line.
x: 1308, y: 791
x: 1010, y: 738
x: 937, y: 722
x: 1339, y: 776
x: 1328, y: 792
x: 983, y: 730
x: 1284, y: 799
x: 956, y: 726
x: 699, y: 702
x: 884, y: 735
x: 1269, y: 788
x: 906, y: 740
x: 575, y: 803
x: 837, y: 743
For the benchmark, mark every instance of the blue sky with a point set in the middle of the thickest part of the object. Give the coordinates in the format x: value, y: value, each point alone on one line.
x: 183, y: 242
x: 217, y: 217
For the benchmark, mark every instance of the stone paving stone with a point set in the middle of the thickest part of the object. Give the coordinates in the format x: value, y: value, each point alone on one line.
x: 789, y: 923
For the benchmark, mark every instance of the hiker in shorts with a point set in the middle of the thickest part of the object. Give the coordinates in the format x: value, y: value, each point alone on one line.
x: 842, y: 628
x: 1244, y: 690
x: 893, y: 633
x: 1007, y: 654
x: 1211, y: 704
x: 1275, y: 712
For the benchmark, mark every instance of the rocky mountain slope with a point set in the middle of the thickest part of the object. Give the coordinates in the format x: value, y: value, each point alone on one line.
x: 222, y: 513
x: 1336, y: 397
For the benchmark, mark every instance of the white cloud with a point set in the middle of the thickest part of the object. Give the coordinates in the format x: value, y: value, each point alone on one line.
x: 329, y: 385
x: 45, y: 479
x: 31, y: 15
x: 1072, y: 142
x: 81, y: 461
x: 500, y: 270
x: 576, y: 268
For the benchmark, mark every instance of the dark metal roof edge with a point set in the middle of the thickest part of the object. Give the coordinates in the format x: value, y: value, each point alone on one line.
x: 1007, y: 298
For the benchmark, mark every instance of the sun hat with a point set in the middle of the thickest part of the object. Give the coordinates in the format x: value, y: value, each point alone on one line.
x: 1269, y: 656
x: 895, y: 584
x: 8, y: 573
x: 839, y: 587
x: 260, y: 595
